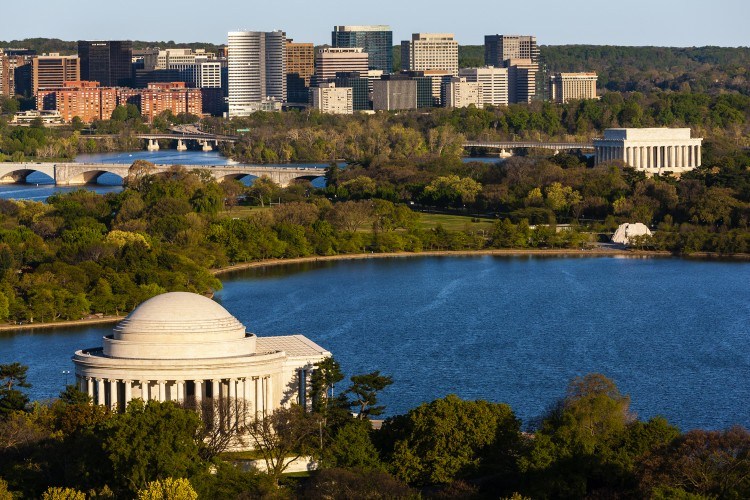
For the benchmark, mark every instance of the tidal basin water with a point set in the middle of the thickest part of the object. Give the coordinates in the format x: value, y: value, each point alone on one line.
x: 674, y: 334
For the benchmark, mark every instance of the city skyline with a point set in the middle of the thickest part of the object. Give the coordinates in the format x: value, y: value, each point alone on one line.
x: 642, y: 23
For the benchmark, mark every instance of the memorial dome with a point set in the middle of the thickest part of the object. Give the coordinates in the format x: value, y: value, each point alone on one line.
x: 179, y: 324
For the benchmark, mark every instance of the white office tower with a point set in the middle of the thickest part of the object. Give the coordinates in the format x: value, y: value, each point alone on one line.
x: 327, y: 98
x: 458, y: 93
x: 494, y: 83
x: 257, y: 71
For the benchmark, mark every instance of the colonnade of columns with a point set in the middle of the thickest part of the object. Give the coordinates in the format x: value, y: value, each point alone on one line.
x: 643, y: 157
x: 117, y: 393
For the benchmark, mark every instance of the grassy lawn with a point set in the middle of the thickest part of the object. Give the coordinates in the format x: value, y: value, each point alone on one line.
x: 242, y: 211
x: 453, y: 222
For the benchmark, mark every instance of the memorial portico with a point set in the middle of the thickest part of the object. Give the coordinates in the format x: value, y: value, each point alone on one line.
x: 185, y: 347
x: 650, y: 149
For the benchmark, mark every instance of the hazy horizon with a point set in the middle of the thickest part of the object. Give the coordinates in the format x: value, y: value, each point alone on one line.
x: 642, y: 23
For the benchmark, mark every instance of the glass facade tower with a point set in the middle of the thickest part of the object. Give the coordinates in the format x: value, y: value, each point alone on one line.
x: 377, y: 41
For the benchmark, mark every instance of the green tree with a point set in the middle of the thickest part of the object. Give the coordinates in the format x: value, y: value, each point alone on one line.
x: 12, y: 375
x: 119, y: 114
x: 351, y: 447
x: 5, y: 494
x: 450, y: 438
x: 325, y: 376
x: 151, y: 441
x: 715, y: 464
x: 364, y: 393
x: 168, y: 489
x: 54, y: 493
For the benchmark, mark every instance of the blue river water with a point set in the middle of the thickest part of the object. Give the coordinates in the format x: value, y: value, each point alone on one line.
x: 672, y: 333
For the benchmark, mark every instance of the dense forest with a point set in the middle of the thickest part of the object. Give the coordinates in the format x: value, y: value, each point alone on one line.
x: 588, y: 444
x: 643, y: 69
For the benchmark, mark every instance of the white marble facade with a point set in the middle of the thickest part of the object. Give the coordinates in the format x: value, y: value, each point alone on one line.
x: 653, y: 150
x: 182, y: 346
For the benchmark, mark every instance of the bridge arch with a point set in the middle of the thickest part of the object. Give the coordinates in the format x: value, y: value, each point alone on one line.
x: 19, y: 175
x: 91, y: 177
x: 245, y: 178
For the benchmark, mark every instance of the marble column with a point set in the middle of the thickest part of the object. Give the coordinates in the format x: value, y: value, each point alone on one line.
x: 198, y: 391
x: 144, y: 390
x: 256, y: 405
x: 232, y: 404
x: 100, y: 391
x: 113, y: 394
x: 700, y: 156
x: 128, y: 392
x: 269, y: 395
x: 215, y: 389
x: 246, y: 398
x: 162, y: 390
x: 90, y: 388
x: 180, y: 387
x: 683, y: 156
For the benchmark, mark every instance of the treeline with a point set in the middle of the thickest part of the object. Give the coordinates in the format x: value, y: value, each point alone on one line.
x: 712, y: 70
x: 589, y: 444
x: 311, y: 136
x: 70, y: 47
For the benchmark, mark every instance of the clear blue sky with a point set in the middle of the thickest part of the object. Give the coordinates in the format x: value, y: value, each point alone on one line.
x: 627, y: 22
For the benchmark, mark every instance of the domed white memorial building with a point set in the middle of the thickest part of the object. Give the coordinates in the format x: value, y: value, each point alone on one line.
x: 183, y: 346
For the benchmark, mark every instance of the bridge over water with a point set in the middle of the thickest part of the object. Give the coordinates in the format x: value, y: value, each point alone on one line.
x: 205, y: 140
x: 511, y: 145
x: 72, y: 174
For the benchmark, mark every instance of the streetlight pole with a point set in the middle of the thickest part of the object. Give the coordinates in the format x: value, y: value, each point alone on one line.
x: 65, y: 374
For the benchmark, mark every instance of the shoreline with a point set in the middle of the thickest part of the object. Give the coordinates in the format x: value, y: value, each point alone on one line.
x: 507, y: 252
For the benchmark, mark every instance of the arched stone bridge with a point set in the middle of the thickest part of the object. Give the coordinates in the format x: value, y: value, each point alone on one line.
x: 72, y: 174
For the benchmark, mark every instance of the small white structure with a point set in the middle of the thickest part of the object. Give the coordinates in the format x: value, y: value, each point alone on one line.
x: 182, y: 346
x: 627, y: 231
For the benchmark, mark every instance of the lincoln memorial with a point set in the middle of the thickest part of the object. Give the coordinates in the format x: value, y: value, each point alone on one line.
x: 182, y: 346
x: 654, y: 150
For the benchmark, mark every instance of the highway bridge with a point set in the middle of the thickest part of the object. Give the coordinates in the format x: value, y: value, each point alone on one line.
x: 72, y: 174
x: 206, y: 141
x: 511, y: 145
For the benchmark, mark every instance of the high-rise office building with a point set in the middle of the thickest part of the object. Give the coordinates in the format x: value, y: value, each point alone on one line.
x: 494, y: 83
x: 300, y: 66
x: 567, y: 86
x: 328, y: 98
x: 329, y: 61
x: 360, y: 85
x: 168, y: 57
x: 394, y: 93
x: 53, y: 70
x: 257, y: 70
x: 460, y: 93
x: 15, y: 71
x: 500, y: 48
x: 377, y: 42
x: 106, y: 62
x: 300, y: 59
x: 430, y: 51
x: 521, y: 80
